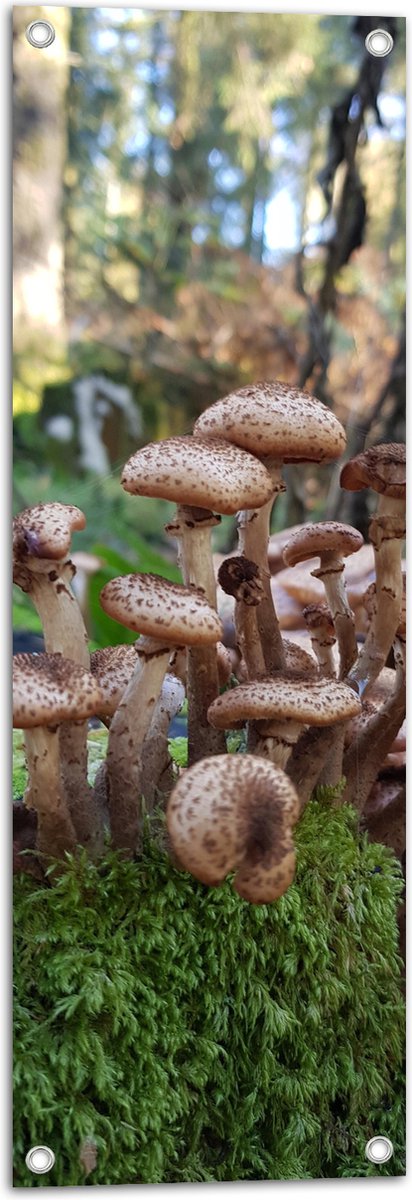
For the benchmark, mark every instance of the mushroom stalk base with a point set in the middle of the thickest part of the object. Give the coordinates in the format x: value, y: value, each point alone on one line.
x: 124, y: 755
x: 83, y: 805
x: 55, y: 830
x: 306, y: 762
x: 366, y: 755
x: 254, y: 533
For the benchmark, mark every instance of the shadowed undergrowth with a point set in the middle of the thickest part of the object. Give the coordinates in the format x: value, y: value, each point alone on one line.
x: 193, y: 1037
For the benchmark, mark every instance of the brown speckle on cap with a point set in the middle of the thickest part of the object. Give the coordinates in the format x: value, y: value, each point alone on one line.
x: 49, y: 689
x: 235, y: 813
x: 277, y: 420
x: 169, y: 612
x: 199, y: 472
x: 382, y: 468
x: 321, y: 537
x: 285, y: 696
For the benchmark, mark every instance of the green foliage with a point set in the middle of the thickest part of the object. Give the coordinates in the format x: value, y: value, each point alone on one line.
x: 194, y: 1037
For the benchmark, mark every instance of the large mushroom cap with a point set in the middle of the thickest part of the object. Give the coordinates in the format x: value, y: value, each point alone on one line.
x: 113, y: 667
x: 200, y: 472
x: 235, y: 812
x: 45, y: 530
x: 382, y: 468
x: 276, y: 420
x: 174, y: 614
x: 321, y: 537
x: 48, y: 689
x: 292, y: 696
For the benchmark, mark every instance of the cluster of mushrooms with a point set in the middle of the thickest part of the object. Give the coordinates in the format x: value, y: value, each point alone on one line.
x: 308, y: 716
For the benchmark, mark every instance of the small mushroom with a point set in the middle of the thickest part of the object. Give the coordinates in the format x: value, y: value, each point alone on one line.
x: 283, y: 705
x: 383, y: 469
x: 332, y: 542
x: 168, y: 615
x: 319, y: 622
x: 279, y: 424
x: 235, y: 813
x: 49, y: 689
x: 42, y: 567
x: 199, y: 475
x: 241, y: 578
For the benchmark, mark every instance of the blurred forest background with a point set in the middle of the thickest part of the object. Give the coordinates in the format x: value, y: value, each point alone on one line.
x: 201, y: 200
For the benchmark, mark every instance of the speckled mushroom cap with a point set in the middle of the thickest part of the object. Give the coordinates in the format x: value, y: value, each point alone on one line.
x: 201, y: 472
x: 319, y: 616
x: 299, y: 659
x: 113, y: 668
x: 235, y: 812
x: 321, y: 537
x: 149, y: 604
x: 48, y: 689
x: 276, y: 420
x: 382, y: 468
x: 45, y: 530
x: 290, y: 696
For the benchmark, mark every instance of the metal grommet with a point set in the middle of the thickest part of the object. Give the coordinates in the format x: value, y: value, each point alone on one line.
x: 40, y: 1159
x: 379, y: 42
x: 379, y: 1150
x: 40, y: 34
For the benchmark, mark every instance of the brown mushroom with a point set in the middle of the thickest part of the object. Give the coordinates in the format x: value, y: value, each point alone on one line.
x: 49, y: 689
x: 42, y: 567
x: 283, y: 704
x: 279, y: 424
x: 199, y: 475
x: 241, y: 578
x: 332, y: 542
x: 235, y: 813
x: 169, y: 615
x: 383, y: 469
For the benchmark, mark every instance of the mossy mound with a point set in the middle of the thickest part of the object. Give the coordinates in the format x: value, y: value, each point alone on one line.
x: 193, y: 1037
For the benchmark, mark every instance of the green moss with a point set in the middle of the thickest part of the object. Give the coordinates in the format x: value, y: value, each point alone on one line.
x: 195, y: 1037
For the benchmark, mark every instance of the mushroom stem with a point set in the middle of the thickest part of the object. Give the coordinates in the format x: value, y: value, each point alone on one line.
x: 322, y: 635
x: 156, y: 758
x: 241, y: 578
x: 128, y: 729
x: 55, y: 829
x: 254, y: 533
x: 386, y: 531
x: 65, y: 633
x: 276, y: 740
x: 191, y: 527
x: 307, y: 759
x: 331, y: 574
x: 332, y: 770
x: 389, y: 825
x: 366, y: 755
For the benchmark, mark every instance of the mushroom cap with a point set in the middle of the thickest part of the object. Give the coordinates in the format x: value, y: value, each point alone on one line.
x: 382, y: 468
x: 113, y: 667
x: 48, y: 689
x: 319, y: 616
x: 299, y: 659
x: 173, y: 614
x: 277, y: 420
x: 291, y: 696
x: 234, y: 812
x: 200, y: 472
x: 45, y: 530
x: 321, y: 537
